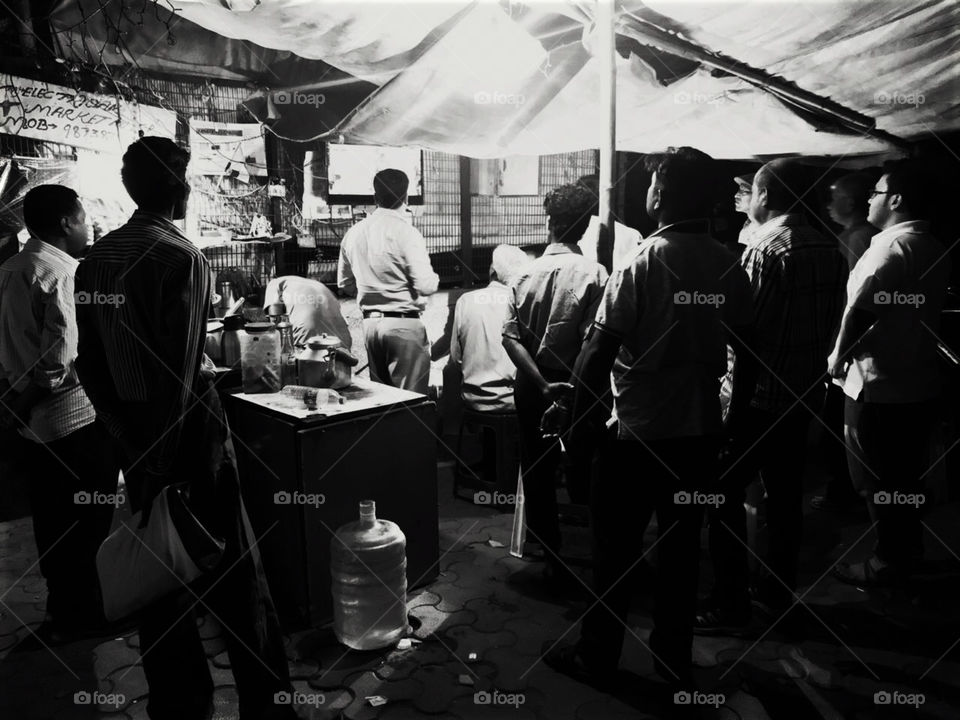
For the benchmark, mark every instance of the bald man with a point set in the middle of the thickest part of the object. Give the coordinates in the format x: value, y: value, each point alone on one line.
x: 797, y: 278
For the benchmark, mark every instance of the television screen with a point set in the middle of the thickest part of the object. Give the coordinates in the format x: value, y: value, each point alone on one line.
x: 351, y: 168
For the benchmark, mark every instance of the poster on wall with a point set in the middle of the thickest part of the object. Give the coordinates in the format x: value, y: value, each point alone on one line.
x: 58, y: 114
x: 218, y: 148
x: 351, y: 169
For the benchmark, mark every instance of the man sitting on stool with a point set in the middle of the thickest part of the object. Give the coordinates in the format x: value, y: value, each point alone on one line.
x: 384, y: 263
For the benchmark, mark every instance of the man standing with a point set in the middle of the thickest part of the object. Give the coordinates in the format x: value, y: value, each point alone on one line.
x: 476, y: 346
x: 312, y: 308
x: 74, y: 472
x: 552, y: 305
x: 139, y: 360
x: 797, y: 278
x: 886, y: 354
x: 384, y: 263
x: 662, y: 327
x: 849, y: 205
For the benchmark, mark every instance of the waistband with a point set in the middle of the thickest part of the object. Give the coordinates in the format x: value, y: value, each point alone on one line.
x: 387, y: 314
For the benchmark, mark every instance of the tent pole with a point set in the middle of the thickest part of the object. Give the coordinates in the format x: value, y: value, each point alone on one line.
x: 606, y: 51
x: 466, y: 224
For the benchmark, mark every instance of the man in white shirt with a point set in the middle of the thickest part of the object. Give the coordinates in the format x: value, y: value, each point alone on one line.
x: 475, y: 342
x: 384, y: 263
x: 887, y: 358
x: 313, y: 309
x: 74, y: 474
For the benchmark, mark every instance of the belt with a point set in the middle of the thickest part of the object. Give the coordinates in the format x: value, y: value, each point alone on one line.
x: 379, y: 314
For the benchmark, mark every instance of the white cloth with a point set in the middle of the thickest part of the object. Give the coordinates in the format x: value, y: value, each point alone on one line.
x: 476, y: 345
x: 669, y: 307
x: 902, y: 280
x: 384, y: 262
x: 625, y: 241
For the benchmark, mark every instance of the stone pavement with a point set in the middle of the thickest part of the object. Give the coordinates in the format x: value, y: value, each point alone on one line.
x: 481, y: 626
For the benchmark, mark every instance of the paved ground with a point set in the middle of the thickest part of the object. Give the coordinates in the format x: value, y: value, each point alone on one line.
x: 481, y: 627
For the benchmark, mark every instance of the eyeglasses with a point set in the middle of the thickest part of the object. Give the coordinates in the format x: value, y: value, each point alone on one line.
x: 874, y: 193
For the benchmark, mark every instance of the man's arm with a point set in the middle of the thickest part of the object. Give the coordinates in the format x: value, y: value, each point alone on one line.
x: 855, y: 324
x: 521, y: 357
x: 346, y: 280
x: 455, y: 348
x: 422, y: 277
x: 592, y: 403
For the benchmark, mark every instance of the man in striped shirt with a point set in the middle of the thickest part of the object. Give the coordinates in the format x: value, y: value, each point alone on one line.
x: 73, y: 473
x: 141, y: 346
x: 798, y: 278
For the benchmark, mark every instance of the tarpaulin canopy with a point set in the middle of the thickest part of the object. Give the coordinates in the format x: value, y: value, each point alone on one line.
x: 735, y: 79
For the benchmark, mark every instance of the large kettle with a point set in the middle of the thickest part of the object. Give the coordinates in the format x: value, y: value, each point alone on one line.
x: 325, y: 363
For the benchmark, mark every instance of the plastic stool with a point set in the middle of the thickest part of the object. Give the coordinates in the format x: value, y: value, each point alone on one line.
x: 507, y: 440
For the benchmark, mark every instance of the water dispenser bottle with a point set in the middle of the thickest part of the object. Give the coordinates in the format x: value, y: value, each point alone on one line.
x: 368, y: 563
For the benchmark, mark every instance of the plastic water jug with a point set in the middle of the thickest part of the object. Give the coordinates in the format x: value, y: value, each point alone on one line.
x: 368, y: 563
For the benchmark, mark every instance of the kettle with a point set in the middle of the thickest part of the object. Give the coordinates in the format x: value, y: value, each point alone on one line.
x: 324, y: 363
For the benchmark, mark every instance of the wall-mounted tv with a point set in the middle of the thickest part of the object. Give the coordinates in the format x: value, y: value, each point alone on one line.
x: 350, y: 171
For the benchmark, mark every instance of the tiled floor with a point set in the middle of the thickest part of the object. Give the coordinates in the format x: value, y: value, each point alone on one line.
x: 481, y: 629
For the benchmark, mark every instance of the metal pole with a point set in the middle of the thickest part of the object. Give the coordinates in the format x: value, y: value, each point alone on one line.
x: 466, y: 223
x: 606, y: 55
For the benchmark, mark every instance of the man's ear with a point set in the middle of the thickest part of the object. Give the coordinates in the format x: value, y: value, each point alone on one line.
x: 657, y: 197
x: 895, y: 201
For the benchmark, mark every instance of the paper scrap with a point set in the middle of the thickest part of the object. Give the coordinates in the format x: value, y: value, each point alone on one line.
x: 376, y: 700
x: 466, y: 680
x: 404, y: 644
x: 495, y: 543
x: 472, y: 657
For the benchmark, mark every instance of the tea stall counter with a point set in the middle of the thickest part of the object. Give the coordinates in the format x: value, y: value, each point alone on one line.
x: 304, y: 472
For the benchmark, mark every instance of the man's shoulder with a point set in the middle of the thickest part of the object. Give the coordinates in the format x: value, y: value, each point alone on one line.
x: 139, y: 239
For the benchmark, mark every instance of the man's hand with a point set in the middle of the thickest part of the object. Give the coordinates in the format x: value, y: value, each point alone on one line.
x: 557, y: 391
x: 556, y: 421
x: 835, y: 367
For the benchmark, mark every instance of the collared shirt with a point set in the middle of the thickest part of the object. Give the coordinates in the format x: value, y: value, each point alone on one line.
x: 854, y: 241
x: 384, y: 261
x: 552, y: 305
x: 901, y: 279
x: 625, y: 241
x: 669, y: 307
x: 476, y: 345
x: 38, y: 338
x: 313, y: 309
x: 798, y: 280
x: 142, y: 334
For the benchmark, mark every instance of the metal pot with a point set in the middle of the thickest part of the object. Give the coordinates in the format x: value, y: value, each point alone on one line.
x: 324, y: 363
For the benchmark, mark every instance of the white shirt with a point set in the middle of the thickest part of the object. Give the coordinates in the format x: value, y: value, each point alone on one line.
x: 902, y: 280
x: 625, y: 241
x: 384, y: 262
x: 38, y: 338
x: 476, y: 345
x: 312, y: 308
x: 669, y: 307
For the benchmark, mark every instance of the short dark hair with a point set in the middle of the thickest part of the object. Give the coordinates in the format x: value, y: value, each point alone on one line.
x: 569, y: 208
x: 155, y: 171
x: 592, y: 184
x: 913, y: 181
x: 788, y: 185
x: 45, y: 206
x: 685, y: 176
x: 390, y: 187
x: 858, y: 186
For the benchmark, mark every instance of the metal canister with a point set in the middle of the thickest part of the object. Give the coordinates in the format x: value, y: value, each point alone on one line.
x: 230, y: 340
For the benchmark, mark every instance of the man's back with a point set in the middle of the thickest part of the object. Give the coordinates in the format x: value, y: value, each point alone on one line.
x: 313, y: 308
x: 553, y: 303
x: 488, y: 372
x: 384, y: 258
x: 143, y: 323
x: 798, y: 279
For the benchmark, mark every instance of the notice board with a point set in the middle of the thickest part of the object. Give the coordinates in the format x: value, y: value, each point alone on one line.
x: 58, y: 114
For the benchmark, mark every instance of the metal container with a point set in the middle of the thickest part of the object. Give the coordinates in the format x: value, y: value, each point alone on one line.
x: 230, y: 340
x: 324, y: 363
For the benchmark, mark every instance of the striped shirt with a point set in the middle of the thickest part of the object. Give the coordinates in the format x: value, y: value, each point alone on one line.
x: 798, y: 280
x: 38, y: 339
x: 142, y: 331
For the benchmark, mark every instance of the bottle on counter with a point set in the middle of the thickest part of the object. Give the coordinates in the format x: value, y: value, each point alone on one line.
x: 260, y: 358
x: 368, y: 564
x: 230, y: 340
x: 288, y: 354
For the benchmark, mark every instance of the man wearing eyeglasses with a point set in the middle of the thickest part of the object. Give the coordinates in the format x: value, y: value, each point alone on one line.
x: 886, y: 357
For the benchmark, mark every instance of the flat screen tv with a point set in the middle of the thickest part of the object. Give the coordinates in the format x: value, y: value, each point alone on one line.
x: 350, y: 171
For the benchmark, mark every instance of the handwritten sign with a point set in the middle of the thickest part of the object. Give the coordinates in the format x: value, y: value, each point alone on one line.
x: 58, y: 114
